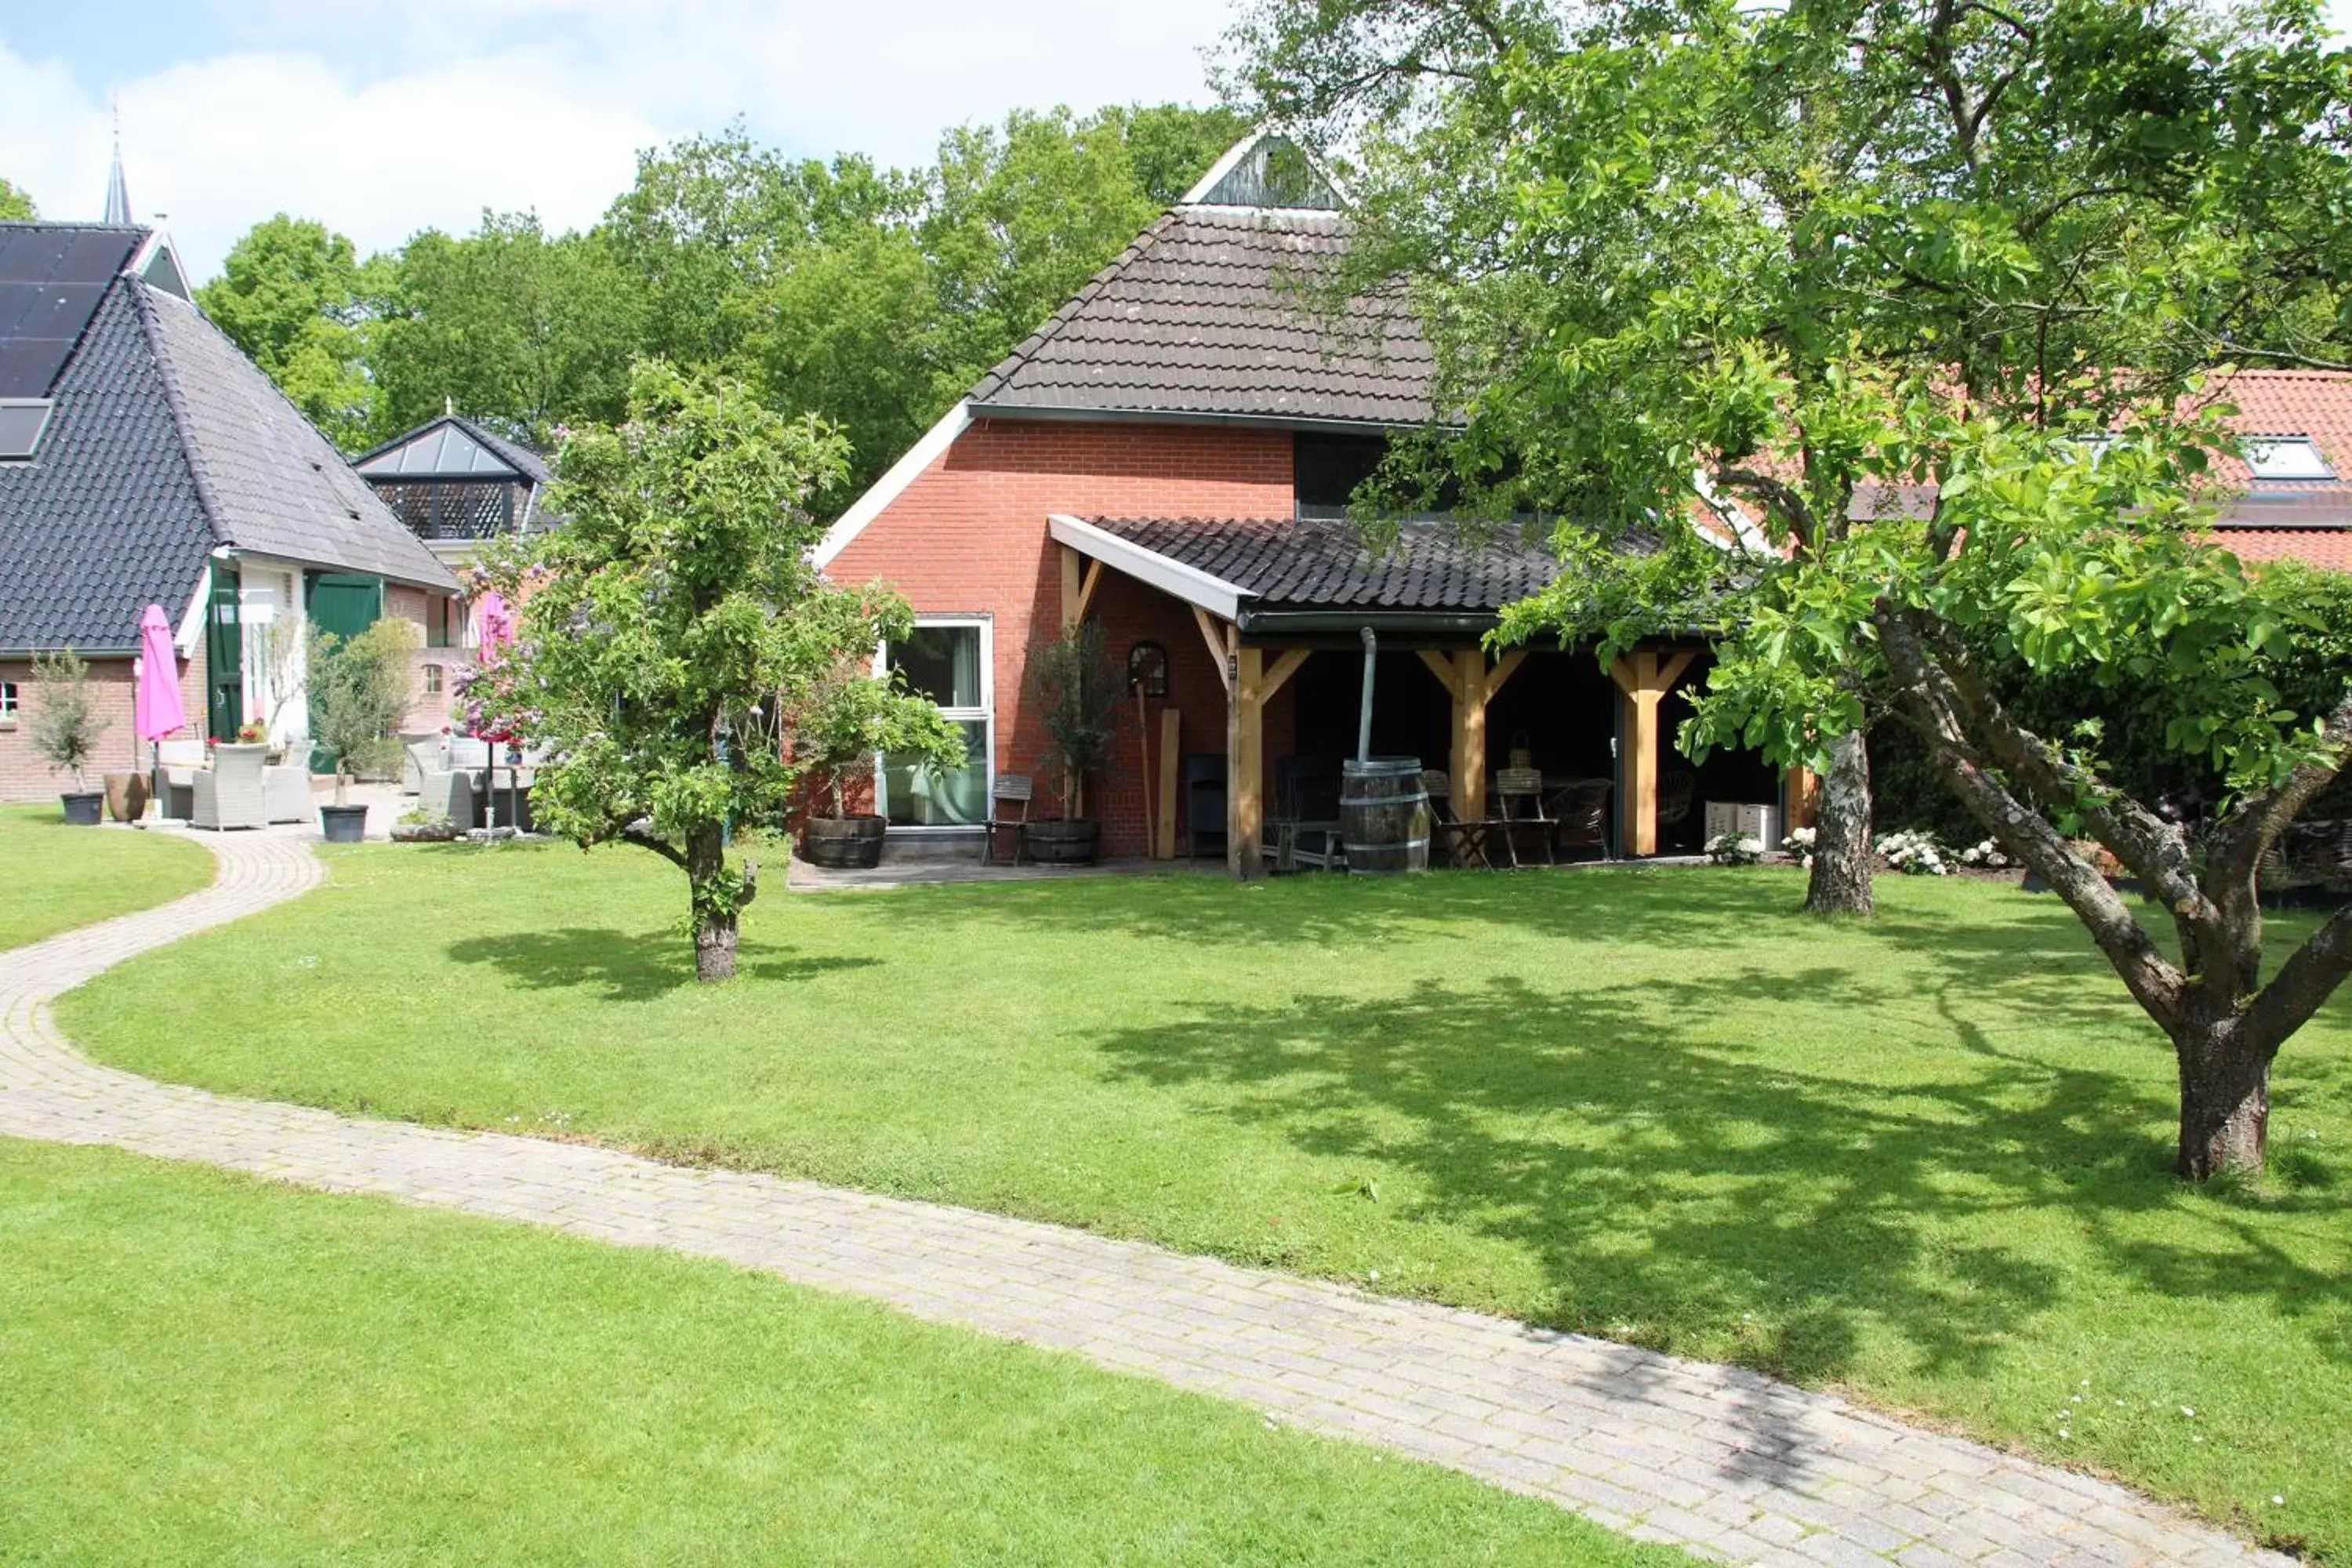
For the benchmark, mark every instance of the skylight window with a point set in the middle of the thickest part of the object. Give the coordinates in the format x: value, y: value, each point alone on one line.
x: 2287, y: 457
x: 22, y: 420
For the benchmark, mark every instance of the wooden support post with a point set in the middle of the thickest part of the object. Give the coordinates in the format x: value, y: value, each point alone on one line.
x: 1469, y: 760
x: 1278, y: 672
x: 1805, y: 798
x: 1073, y: 565
x: 1219, y: 648
x: 1170, y: 737
x: 1244, y: 761
x: 1644, y: 678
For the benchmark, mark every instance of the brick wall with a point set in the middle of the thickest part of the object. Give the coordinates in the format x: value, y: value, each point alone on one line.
x: 969, y: 536
x: 428, y: 709
x: 25, y: 776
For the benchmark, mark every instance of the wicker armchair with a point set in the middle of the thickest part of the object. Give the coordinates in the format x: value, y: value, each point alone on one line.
x: 231, y: 794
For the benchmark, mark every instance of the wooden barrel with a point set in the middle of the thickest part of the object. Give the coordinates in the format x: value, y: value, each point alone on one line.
x: 842, y: 843
x: 1384, y: 815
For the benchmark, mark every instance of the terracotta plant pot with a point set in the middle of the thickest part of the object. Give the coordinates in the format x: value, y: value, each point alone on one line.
x: 84, y: 809
x: 126, y: 796
x: 842, y: 843
x: 342, y: 824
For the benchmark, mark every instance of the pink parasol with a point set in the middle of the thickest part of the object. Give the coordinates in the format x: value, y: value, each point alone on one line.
x: 155, y: 704
x: 494, y: 623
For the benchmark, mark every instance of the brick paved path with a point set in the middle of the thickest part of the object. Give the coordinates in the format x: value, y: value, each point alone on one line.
x: 1724, y: 1462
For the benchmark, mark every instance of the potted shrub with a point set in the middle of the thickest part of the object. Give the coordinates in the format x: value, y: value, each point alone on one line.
x: 854, y: 717
x: 1077, y: 690
x: 359, y: 689
x: 66, y: 727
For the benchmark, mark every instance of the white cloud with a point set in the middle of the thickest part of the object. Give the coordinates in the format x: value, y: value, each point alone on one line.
x: 381, y: 117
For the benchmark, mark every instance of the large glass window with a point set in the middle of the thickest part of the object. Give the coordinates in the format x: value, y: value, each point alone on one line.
x: 947, y: 660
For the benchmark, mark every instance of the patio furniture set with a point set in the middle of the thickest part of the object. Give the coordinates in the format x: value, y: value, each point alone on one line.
x: 466, y: 783
x: 227, y: 786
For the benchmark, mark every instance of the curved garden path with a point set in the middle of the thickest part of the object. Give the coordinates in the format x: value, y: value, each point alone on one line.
x: 1721, y: 1461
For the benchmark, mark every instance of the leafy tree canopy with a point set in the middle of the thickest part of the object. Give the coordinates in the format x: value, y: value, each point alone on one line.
x: 1850, y: 282
x: 15, y: 203
x: 290, y: 296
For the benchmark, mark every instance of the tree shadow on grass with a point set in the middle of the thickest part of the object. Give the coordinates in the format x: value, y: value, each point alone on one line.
x: 1669, y: 1186
x: 628, y: 966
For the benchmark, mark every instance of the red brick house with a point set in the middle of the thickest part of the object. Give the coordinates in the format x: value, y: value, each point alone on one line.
x: 1173, y: 453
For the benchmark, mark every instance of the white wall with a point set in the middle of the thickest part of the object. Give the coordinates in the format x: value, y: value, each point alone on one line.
x: 276, y: 638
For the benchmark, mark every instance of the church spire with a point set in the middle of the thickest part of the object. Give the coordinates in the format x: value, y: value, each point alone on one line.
x: 118, y: 194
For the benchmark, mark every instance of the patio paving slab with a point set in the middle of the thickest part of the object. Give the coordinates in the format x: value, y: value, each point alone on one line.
x: 1723, y: 1462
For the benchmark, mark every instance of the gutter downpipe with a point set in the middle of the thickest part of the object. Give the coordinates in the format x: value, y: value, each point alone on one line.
x: 1364, y: 716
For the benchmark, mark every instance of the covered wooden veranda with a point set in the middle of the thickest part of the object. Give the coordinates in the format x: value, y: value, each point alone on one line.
x: 1283, y: 605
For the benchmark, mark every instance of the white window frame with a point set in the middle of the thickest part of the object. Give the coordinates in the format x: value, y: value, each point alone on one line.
x: 2261, y: 450
x: 984, y: 715
x: 10, y: 697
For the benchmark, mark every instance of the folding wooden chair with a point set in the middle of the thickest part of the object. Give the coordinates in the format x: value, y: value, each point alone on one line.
x: 1523, y: 787
x: 1466, y: 841
x: 1010, y: 789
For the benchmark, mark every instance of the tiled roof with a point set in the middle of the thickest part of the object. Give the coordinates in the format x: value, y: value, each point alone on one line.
x: 108, y: 519
x: 1298, y: 565
x: 1207, y: 313
x: 273, y: 484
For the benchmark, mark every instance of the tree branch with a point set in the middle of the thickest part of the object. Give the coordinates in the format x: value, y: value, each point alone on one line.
x: 2239, y: 842
x: 634, y: 834
x: 1935, y: 711
x: 2308, y: 977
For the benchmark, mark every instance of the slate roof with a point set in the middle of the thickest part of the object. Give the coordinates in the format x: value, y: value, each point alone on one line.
x: 1307, y: 565
x: 1205, y: 314
x: 166, y: 442
x: 435, y: 449
x: 274, y: 485
x: 108, y: 519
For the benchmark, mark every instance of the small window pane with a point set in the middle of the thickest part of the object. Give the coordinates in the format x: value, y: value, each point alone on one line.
x: 915, y: 796
x: 8, y: 698
x: 20, y: 429
x: 941, y: 663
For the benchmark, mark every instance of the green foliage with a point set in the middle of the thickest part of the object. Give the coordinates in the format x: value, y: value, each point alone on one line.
x: 66, y: 726
x: 359, y: 689
x: 290, y: 295
x: 674, y: 629
x: 871, y: 297
x: 856, y: 716
x: 1079, y: 692
x: 16, y: 204
x: 510, y: 323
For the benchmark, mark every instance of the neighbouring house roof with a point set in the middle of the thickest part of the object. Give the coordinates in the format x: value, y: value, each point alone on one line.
x: 107, y: 519
x: 453, y: 447
x: 1208, y: 314
x: 1247, y: 569
x: 164, y: 443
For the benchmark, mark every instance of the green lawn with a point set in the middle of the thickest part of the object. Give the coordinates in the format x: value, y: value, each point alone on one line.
x: 54, y: 878
x: 201, y: 1368
x: 1925, y: 1159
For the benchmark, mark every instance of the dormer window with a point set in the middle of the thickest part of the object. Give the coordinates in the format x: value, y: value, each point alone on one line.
x: 2285, y: 457
x: 22, y: 420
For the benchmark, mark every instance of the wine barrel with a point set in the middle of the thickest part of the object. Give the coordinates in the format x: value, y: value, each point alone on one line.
x: 842, y: 843
x: 1384, y: 815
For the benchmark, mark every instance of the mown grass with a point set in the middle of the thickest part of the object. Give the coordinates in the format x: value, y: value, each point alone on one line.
x: 54, y: 878
x: 1925, y: 1158
x: 201, y: 1368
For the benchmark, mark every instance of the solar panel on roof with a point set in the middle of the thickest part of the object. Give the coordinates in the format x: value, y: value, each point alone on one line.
x: 52, y: 278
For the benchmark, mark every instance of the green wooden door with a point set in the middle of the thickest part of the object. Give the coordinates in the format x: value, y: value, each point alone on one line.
x: 342, y: 603
x: 224, y: 656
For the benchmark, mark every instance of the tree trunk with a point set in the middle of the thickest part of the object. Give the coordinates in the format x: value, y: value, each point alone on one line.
x: 714, y: 947
x: 1842, y: 852
x: 2225, y: 1102
x: 715, y: 917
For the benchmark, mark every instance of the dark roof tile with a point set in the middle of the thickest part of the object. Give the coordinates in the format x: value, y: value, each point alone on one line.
x: 1303, y: 564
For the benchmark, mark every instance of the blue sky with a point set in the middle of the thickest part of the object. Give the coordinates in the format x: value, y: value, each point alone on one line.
x: 383, y: 116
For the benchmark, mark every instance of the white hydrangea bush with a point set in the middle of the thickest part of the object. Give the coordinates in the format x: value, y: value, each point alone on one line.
x: 1987, y: 856
x: 1735, y: 849
x: 1799, y: 846
x: 1914, y: 854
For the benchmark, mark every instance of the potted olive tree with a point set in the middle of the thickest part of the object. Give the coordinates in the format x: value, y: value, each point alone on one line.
x: 65, y: 728
x: 1076, y: 691
x: 853, y: 718
x: 359, y: 689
